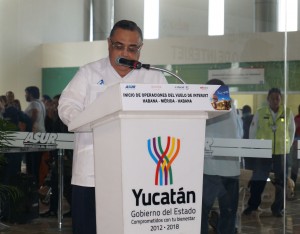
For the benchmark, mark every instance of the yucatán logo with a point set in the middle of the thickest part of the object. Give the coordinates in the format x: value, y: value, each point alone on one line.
x: 163, y: 158
x: 41, y: 140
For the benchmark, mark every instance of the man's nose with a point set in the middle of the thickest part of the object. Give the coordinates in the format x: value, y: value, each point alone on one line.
x: 125, y: 53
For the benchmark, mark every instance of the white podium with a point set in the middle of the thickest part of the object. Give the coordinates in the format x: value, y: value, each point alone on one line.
x: 149, y: 145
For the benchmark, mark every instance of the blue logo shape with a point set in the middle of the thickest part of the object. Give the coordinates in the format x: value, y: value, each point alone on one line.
x: 100, y: 82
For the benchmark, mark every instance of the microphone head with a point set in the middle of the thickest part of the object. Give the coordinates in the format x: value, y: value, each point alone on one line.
x: 128, y: 63
x: 118, y: 60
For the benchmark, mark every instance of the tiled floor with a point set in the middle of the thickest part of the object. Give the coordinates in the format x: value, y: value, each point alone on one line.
x: 263, y: 222
x: 41, y: 226
x: 49, y: 225
x: 257, y: 223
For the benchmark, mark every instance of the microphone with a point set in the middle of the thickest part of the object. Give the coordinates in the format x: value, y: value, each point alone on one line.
x: 131, y: 63
x: 138, y: 65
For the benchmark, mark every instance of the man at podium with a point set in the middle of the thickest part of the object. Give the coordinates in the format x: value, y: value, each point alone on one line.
x: 125, y: 42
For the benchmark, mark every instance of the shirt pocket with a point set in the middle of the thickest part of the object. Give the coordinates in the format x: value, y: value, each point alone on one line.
x: 94, y: 91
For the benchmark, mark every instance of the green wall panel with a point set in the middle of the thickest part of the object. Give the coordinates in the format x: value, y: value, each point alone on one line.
x: 274, y: 74
x: 54, y: 80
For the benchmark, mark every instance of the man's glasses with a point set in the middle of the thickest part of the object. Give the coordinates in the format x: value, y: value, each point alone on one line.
x: 121, y: 47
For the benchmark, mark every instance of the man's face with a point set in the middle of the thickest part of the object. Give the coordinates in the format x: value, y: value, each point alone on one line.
x: 27, y: 96
x: 125, y: 44
x: 274, y: 101
x: 10, y: 97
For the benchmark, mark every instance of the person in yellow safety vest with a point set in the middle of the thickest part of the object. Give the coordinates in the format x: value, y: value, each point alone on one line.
x: 273, y: 122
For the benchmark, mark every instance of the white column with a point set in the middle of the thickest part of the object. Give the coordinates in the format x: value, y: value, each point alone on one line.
x: 266, y: 19
x: 130, y: 10
x: 103, y: 18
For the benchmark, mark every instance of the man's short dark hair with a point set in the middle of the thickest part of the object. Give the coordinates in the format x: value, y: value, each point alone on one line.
x: 246, y: 109
x: 57, y: 96
x: 47, y: 97
x: 215, y: 82
x: 126, y: 25
x: 274, y: 90
x: 33, y: 91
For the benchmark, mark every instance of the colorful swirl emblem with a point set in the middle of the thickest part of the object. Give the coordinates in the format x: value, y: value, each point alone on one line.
x: 163, y: 158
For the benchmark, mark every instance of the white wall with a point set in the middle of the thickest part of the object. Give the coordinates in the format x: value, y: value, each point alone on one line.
x: 25, y: 25
x: 239, y: 16
x: 226, y: 49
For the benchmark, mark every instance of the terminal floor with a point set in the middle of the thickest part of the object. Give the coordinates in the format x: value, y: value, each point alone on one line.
x: 41, y: 225
x: 257, y: 223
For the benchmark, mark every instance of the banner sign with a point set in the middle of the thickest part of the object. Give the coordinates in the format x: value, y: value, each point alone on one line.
x: 238, y: 75
x: 162, y: 176
x: 175, y: 97
x: 165, y: 99
x: 39, y: 141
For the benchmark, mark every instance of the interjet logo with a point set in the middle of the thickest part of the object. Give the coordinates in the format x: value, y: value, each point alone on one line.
x: 163, y: 156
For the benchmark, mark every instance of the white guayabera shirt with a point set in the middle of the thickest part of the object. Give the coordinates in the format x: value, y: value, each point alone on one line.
x: 83, y: 89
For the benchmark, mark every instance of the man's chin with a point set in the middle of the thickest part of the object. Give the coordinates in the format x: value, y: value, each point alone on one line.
x: 123, y: 71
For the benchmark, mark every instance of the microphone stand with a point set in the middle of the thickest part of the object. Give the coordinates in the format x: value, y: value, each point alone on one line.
x: 163, y: 70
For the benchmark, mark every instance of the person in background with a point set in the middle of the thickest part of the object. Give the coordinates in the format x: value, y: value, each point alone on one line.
x: 271, y: 122
x: 3, y: 99
x: 46, y: 158
x: 221, y: 174
x: 10, y: 96
x: 2, y: 107
x: 9, y: 112
x: 46, y: 98
x: 59, y: 127
x: 25, y: 124
x: 37, y: 113
x: 36, y: 109
x: 126, y: 41
x: 247, y: 117
x: 16, y: 103
x: 13, y: 166
x: 293, y: 154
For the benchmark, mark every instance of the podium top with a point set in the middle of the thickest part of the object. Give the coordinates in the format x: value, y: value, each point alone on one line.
x: 155, y: 99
